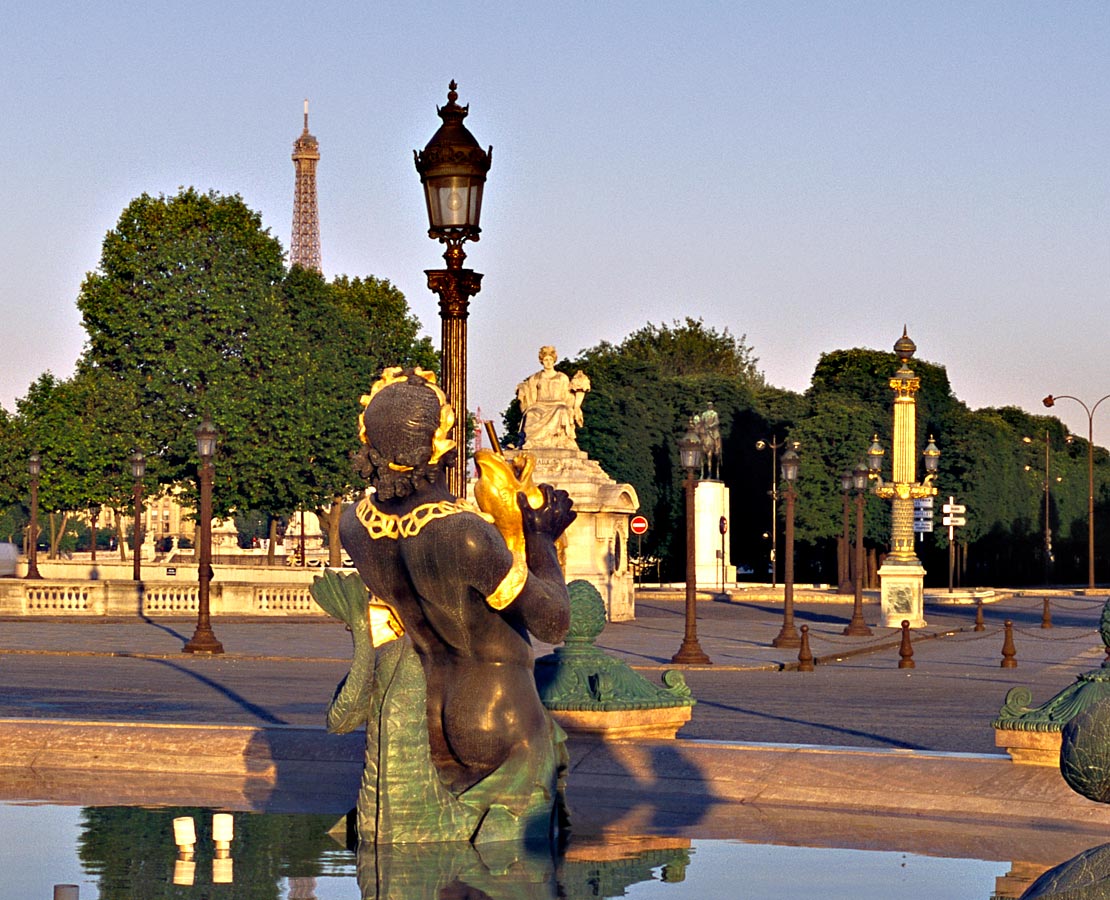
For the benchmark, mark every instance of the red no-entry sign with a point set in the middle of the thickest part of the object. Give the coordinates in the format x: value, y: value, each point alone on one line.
x: 638, y: 525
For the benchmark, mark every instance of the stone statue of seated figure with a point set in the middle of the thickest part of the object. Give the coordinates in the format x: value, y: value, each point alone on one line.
x: 551, y: 404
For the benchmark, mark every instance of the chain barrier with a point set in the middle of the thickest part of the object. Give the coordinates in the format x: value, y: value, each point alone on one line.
x: 1039, y: 634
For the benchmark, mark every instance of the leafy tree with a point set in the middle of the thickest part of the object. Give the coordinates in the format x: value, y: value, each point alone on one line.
x: 191, y: 312
x: 81, y: 428
x: 181, y: 312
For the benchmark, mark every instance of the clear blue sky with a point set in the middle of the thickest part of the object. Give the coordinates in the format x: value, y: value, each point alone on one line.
x: 812, y: 175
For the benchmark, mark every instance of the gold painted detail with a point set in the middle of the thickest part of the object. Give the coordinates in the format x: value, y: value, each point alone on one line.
x: 499, y: 482
x: 384, y: 525
x: 395, y: 374
x: 383, y: 624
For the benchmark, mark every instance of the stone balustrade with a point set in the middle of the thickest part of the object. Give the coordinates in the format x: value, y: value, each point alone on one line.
x: 164, y: 591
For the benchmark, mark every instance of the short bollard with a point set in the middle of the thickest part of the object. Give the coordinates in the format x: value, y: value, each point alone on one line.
x: 1009, y: 654
x: 979, y: 626
x: 1046, y: 615
x: 805, y: 655
x: 906, y: 650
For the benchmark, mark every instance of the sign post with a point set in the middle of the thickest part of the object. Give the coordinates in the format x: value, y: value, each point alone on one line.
x: 953, y: 518
x: 724, y: 531
x: 638, y: 525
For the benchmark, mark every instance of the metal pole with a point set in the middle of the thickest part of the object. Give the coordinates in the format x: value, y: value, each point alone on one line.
x: 788, y: 636
x: 204, y: 639
x: 136, y: 547
x: 951, y: 555
x: 1091, y: 498
x: 1047, y: 526
x: 690, y: 652
x: 857, y: 627
x: 774, y: 513
x: 33, y: 549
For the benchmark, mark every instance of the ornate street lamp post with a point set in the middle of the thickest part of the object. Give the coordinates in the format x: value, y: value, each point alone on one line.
x: 857, y: 627
x: 453, y: 171
x: 844, y: 554
x: 138, y: 470
x: 34, y: 466
x: 775, y: 447
x: 902, y: 576
x: 204, y: 639
x: 689, y: 454
x: 94, y: 516
x: 788, y: 636
x: 1049, y: 558
x: 1051, y: 401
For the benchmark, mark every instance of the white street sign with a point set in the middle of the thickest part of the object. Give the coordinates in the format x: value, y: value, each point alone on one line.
x: 954, y: 520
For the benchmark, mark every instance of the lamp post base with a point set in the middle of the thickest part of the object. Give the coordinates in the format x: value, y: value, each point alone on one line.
x: 203, y: 641
x: 691, y: 654
x: 788, y: 637
x: 857, y: 627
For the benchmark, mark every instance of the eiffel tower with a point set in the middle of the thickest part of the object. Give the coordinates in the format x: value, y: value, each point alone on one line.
x: 305, y: 244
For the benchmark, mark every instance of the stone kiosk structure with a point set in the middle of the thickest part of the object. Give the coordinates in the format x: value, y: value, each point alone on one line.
x: 595, y: 547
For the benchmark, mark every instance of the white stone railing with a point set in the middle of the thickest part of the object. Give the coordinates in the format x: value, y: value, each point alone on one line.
x: 44, y: 598
x: 269, y: 595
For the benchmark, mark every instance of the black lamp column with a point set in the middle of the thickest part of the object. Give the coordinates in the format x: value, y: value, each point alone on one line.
x: 204, y: 639
x: 34, y: 466
x: 857, y: 627
x: 138, y: 470
x: 844, y: 556
x: 690, y: 652
x: 788, y: 636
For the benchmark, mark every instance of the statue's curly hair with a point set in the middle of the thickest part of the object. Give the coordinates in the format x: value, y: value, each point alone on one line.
x: 403, y: 428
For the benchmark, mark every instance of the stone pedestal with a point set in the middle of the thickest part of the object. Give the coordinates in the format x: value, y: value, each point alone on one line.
x: 313, y: 533
x: 710, y: 505
x: 903, y: 594
x: 225, y: 536
x: 597, y: 541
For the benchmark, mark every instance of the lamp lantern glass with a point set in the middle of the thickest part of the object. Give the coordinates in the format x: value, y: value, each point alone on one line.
x: 34, y: 465
x: 206, y: 439
x: 846, y: 481
x: 689, y: 450
x: 932, y: 456
x: 138, y: 465
x: 453, y: 170
x: 790, y: 461
x: 875, y: 456
x: 859, y: 476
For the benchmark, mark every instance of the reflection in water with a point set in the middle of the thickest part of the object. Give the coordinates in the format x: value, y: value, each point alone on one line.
x: 131, y: 852
x: 1083, y: 877
x: 461, y: 871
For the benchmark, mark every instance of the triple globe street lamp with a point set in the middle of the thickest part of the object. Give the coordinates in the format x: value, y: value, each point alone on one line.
x: 1049, y: 558
x: 856, y: 481
x: 1050, y: 401
x: 774, y: 446
x: 690, y: 458
x: 788, y: 636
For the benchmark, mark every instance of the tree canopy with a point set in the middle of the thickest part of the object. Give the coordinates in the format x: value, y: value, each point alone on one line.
x: 191, y: 312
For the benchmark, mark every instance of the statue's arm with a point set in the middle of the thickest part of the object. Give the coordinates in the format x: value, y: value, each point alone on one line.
x: 543, y: 604
x: 350, y: 707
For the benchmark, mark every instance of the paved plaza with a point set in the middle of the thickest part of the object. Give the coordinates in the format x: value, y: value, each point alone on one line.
x: 283, y: 672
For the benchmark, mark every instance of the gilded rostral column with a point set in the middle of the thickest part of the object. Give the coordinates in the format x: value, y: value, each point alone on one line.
x: 304, y: 247
x: 902, y: 575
